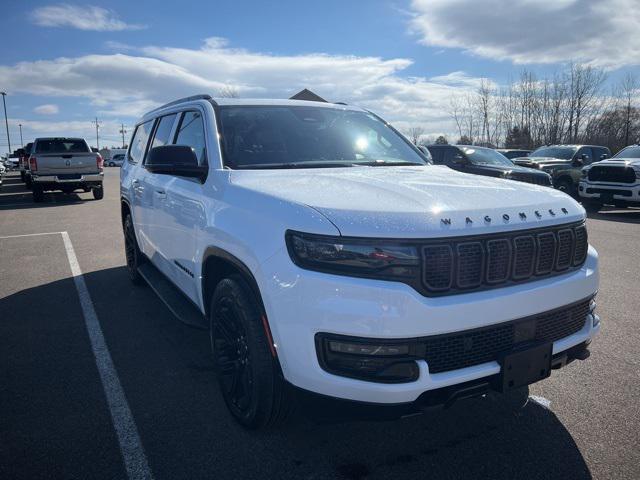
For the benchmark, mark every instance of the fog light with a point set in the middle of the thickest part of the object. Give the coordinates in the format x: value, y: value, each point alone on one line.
x: 365, y: 349
x: 367, y: 359
x: 595, y: 318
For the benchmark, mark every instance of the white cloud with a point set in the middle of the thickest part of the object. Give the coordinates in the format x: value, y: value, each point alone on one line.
x: 46, y: 109
x: 82, y: 17
x: 602, y: 33
x: 126, y: 86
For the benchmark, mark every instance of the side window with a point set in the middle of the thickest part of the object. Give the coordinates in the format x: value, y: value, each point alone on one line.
x: 191, y: 132
x: 163, y: 131
x: 449, y: 153
x: 139, y: 141
x: 598, y: 152
x: 585, y: 151
x: 436, y: 155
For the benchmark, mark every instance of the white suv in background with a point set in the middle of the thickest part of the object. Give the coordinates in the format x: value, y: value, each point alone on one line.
x: 333, y: 264
x: 615, y: 181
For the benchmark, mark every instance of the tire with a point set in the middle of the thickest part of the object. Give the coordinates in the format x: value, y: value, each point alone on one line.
x: 98, y: 193
x: 133, y: 255
x: 247, y: 373
x: 565, y: 186
x: 592, y: 207
x: 23, y: 177
x: 27, y: 181
x: 38, y: 194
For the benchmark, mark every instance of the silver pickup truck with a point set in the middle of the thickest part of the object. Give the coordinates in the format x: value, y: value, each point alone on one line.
x: 65, y: 164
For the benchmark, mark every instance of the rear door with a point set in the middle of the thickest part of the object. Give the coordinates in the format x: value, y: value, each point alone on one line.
x: 134, y: 179
x: 64, y: 156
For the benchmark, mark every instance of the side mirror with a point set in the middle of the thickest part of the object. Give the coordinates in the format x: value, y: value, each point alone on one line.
x: 603, y: 156
x: 579, y: 161
x: 178, y: 160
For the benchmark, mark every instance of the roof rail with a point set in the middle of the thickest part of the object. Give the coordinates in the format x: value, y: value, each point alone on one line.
x: 202, y: 96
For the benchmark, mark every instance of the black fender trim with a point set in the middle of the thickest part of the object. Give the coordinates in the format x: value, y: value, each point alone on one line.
x: 216, y: 252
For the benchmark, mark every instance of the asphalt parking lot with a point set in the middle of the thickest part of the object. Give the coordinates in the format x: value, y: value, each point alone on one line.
x: 56, y: 420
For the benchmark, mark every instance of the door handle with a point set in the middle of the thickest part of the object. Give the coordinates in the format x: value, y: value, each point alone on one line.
x: 161, y: 194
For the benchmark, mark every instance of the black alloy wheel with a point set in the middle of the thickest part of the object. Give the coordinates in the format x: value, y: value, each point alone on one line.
x: 245, y: 364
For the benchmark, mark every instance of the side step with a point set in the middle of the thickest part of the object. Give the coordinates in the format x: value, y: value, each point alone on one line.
x: 173, y: 298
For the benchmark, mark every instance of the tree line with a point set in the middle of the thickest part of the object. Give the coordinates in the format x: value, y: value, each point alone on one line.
x: 572, y: 106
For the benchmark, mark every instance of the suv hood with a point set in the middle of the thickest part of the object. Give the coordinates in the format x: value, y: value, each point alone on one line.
x: 539, y: 160
x: 619, y: 162
x: 413, y: 202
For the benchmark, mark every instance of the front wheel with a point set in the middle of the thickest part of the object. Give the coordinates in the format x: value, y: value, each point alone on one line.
x: 245, y: 363
x: 565, y: 186
x: 133, y: 254
x: 592, y: 207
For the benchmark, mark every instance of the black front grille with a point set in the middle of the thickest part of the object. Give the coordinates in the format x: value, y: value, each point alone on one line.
x: 468, y: 264
x: 465, y: 349
x: 614, y: 174
x: 534, y: 177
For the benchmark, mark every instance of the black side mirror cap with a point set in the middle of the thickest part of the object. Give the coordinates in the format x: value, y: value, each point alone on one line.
x: 178, y: 160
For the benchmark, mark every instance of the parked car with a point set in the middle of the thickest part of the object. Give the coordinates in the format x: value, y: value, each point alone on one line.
x: 484, y: 161
x: 65, y: 164
x: 332, y: 263
x: 615, y: 181
x: 116, y: 160
x: 3, y: 169
x: 512, y: 153
x: 564, y: 163
x: 25, y: 174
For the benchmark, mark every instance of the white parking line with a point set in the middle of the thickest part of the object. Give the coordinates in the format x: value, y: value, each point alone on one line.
x: 135, y: 460
x: 32, y: 235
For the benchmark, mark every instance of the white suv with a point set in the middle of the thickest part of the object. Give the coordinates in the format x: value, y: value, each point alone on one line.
x: 332, y: 262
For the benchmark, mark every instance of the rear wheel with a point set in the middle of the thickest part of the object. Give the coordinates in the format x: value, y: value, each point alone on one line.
x: 22, y: 176
x: 98, y: 193
x: 247, y: 371
x: 28, y: 182
x: 133, y: 254
x: 38, y: 194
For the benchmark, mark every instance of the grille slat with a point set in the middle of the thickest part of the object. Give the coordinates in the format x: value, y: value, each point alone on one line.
x: 468, y: 264
x: 459, y: 350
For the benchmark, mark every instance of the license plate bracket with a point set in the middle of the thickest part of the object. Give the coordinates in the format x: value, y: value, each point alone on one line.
x: 525, y: 366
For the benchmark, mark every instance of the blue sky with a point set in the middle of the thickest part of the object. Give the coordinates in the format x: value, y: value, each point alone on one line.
x: 65, y: 63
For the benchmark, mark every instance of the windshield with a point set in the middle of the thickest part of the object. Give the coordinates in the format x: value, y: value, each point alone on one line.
x: 486, y: 156
x: 629, y: 152
x: 61, y: 145
x: 309, y: 137
x: 565, y: 153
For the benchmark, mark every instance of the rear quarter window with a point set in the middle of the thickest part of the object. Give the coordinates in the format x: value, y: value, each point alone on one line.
x: 139, y: 141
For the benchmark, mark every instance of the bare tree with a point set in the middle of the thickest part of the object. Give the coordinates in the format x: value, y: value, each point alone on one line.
x: 628, y: 92
x: 414, y: 133
x: 228, y: 91
x: 585, y: 84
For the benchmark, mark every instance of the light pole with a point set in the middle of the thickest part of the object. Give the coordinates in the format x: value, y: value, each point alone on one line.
x: 97, y: 124
x: 122, y: 131
x: 6, y: 122
x: 21, y: 141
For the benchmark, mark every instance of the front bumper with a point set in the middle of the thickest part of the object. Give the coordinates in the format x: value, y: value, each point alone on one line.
x: 624, y: 193
x: 300, y: 304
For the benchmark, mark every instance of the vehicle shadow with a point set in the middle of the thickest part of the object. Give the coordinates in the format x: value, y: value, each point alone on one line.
x: 14, y: 195
x: 167, y: 375
x: 628, y: 215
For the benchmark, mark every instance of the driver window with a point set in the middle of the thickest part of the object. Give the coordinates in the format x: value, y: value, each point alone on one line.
x: 585, y: 151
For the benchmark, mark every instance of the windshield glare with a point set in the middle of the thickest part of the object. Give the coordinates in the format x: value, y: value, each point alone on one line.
x: 629, y: 152
x: 293, y: 136
x: 565, y: 153
x: 486, y: 156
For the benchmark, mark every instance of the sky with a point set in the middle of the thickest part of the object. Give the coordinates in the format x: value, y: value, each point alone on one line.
x: 63, y: 65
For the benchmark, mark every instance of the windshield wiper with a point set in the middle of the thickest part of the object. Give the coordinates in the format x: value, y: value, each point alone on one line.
x: 267, y: 166
x: 386, y: 163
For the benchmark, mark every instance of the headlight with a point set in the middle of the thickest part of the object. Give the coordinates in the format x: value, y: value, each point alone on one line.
x: 355, y: 257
